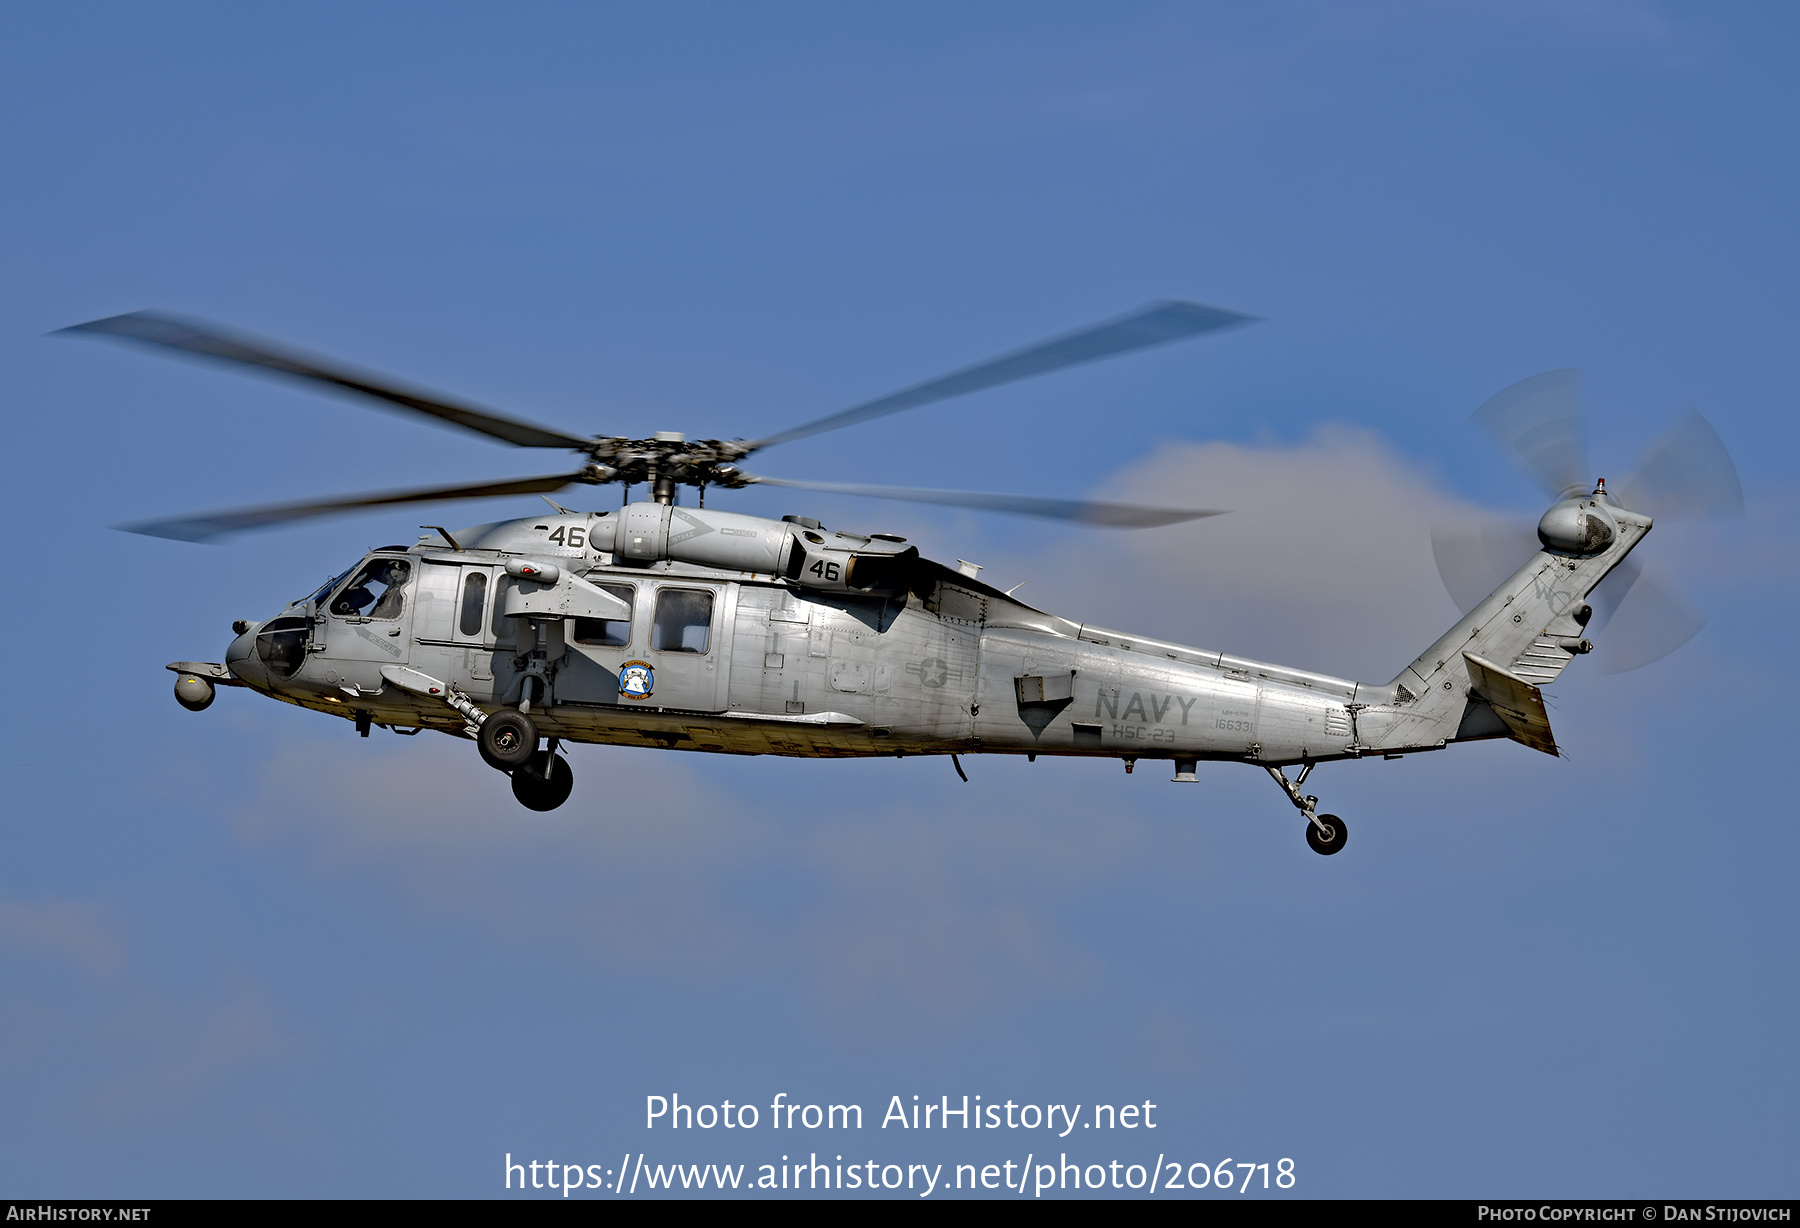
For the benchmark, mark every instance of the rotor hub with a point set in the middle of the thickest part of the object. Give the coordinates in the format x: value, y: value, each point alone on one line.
x: 666, y: 460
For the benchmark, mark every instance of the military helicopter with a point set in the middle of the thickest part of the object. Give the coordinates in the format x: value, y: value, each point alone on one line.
x: 694, y: 628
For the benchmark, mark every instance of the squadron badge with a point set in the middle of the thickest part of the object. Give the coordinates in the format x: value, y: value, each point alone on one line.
x: 636, y: 680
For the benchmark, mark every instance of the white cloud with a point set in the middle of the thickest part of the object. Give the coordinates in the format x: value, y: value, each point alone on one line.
x: 1324, y: 561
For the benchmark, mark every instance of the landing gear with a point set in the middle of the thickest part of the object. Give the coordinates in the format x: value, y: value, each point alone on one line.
x: 507, y: 740
x: 544, y: 783
x: 1325, y: 833
x: 541, y: 779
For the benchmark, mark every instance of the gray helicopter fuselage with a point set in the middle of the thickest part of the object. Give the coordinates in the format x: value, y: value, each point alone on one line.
x: 755, y: 661
x: 631, y: 628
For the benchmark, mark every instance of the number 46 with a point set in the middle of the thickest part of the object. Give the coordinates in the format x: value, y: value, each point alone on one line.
x: 570, y: 535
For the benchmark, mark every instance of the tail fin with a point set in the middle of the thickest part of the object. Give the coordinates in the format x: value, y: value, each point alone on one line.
x: 1481, y: 678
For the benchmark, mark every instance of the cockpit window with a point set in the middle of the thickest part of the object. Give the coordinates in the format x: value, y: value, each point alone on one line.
x: 281, y: 643
x: 319, y: 594
x: 376, y: 592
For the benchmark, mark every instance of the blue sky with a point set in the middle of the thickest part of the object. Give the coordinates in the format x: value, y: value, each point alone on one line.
x: 244, y: 952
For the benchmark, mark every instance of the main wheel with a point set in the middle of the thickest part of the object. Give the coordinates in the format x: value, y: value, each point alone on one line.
x: 507, y: 739
x: 1331, y: 839
x: 534, y: 791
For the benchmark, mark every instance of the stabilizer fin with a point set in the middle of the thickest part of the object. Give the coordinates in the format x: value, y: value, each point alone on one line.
x: 1515, y: 701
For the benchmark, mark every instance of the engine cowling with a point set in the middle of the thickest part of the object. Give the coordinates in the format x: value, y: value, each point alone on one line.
x: 846, y: 563
x: 796, y: 548
x: 801, y: 551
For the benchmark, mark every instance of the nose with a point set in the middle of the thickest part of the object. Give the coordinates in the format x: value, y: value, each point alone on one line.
x: 242, y: 661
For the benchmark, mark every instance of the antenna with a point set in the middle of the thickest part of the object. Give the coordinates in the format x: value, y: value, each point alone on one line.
x: 445, y: 534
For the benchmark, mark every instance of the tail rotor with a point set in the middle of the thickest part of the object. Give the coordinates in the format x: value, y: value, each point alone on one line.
x: 1687, y: 474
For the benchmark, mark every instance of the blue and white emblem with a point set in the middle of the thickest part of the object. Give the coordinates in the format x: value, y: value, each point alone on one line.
x: 636, y: 680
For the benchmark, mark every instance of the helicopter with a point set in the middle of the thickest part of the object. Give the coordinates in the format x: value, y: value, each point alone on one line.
x: 693, y: 628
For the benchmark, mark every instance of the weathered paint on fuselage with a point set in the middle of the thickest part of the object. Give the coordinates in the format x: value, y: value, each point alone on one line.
x: 796, y: 672
x: 945, y: 665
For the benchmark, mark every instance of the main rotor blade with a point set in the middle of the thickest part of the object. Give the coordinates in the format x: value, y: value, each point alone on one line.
x: 1153, y: 325
x: 203, y: 340
x: 1685, y: 475
x: 1540, y: 421
x: 211, y: 525
x: 1638, y: 619
x: 1082, y: 511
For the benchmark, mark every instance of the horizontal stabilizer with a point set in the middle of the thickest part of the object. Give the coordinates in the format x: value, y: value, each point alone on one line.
x: 1517, y: 703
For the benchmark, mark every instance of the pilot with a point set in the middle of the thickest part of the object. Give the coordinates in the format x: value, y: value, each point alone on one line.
x: 392, y: 573
x: 387, y: 574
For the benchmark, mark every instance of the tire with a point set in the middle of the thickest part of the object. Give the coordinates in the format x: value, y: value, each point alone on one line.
x: 507, y: 739
x: 536, y: 793
x: 1325, y: 845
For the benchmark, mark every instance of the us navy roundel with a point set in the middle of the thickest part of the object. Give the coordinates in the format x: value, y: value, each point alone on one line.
x: 636, y: 680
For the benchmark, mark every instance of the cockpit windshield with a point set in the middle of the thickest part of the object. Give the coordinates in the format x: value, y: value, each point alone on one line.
x: 320, y: 593
x: 376, y: 592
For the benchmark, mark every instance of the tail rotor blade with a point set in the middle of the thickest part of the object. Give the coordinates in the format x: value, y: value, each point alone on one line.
x: 1474, y: 560
x: 1611, y: 592
x: 1637, y: 617
x: 1632, y: 633
x: 1685, y: 475
x: 1540, y: 421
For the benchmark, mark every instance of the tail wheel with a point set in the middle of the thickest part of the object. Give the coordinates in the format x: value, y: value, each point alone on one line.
x: 534, y: 790
x: 507, y: 740
x: 1332, y: 836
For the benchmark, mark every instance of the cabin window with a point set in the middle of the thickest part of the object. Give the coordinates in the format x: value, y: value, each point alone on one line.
x: 683, y: 620
x: 474, y: 603
x: 607, y: 632
x: 376, y: 591
x: 503, y: 629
